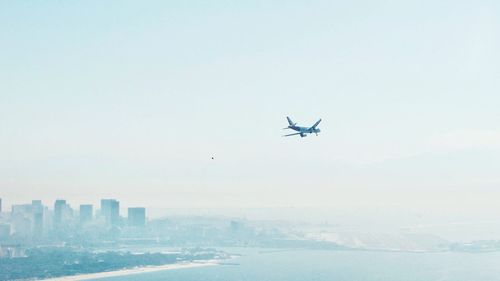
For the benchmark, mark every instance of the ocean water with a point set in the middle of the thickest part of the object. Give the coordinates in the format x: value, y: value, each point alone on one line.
x: 319, y: 265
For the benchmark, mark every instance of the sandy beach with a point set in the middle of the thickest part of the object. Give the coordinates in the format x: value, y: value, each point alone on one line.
x: 133, y: 271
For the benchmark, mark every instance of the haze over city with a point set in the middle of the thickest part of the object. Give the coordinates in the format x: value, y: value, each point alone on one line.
x: 143, y: 140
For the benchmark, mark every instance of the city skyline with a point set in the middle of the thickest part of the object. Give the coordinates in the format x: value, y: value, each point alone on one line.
x: 52, y: 206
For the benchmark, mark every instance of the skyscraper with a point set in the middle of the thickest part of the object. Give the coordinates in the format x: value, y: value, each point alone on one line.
x: 21, y: 218
x: 58, y: 211
x: 37, y: 224
x: 115, y: 212
x: 136, y: 217
x: 86, y: 213
x: 37, y: 203
x: 110, y: 209
x: 21, y: 210
x: 37, y: 209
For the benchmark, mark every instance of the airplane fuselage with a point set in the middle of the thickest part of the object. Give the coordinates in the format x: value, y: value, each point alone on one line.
x: 305, y: 130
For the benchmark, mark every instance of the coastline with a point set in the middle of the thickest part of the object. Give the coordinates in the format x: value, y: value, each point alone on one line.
x: 130, y: 271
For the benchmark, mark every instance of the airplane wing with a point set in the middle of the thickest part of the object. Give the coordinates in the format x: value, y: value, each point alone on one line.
x: 292, y: 134
x: 315, y: 124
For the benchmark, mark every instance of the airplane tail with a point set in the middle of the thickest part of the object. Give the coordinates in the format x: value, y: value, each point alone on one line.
x: 290, y: 122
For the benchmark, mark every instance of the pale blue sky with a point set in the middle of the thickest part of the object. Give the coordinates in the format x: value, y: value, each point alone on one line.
x: 131, y: 99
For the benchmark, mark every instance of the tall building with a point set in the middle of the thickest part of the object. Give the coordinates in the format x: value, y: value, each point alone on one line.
x: 115, y: 212
x: 110, y: 209
x: 21, y: 210
x: 21, y: 220
x: 136, y: 217
x: 62, y: 212
x: 86, y: 213
x: 37, y: 224
x: 59, y: 206
x: 37, y: 203
x: 38, y: 218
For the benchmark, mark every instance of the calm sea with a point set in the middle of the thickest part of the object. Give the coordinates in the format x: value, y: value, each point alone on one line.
x: 318, y: 265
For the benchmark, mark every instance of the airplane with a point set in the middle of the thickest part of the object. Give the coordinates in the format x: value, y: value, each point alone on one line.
x: 302, y: 131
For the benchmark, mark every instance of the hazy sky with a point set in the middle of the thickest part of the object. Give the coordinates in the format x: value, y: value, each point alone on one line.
x: 131, y: 99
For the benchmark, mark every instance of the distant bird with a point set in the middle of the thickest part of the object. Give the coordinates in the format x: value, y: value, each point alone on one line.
x: 212, y: 158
